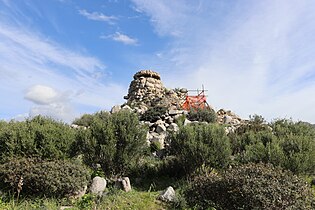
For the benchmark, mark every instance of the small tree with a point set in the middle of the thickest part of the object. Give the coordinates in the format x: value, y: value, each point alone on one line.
x: 39, y: 136
x: 199, y: 145
x: 285, y: 143
x: 115, y: 141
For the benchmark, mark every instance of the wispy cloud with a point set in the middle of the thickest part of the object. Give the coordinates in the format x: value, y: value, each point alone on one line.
x: 253, y: 57
x: 30, y: 62
x: 123, y: 38
x: 98, y: 16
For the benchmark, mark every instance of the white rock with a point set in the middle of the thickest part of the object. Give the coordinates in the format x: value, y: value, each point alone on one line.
x: 175, y: 112
x: 98, y: 185
x: 173, y: 127
x: 123, y: 183
x: 168, y: 195
x: 115, y: 109
x: 227, y: 119
x: 126, y: 107
x: 186, y: 122
x: 159, y: 122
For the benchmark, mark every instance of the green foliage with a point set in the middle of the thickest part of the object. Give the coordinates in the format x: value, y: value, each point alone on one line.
x: 252, y: 186
x: 297, y: 141
x: 199, y: 145
x: 285, y: 143
x: 114, y: 141
x: 155, y: 146
x: 153, y: 114
x: 85, y: 120
x: 151, y: 167
x: 86, y: 202
x: 256, y: 123
x: 41, y: 177
x: 40, y: 136
x: 202, y: 115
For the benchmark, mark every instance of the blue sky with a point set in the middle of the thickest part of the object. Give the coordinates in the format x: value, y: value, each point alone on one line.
x: 63, y: 58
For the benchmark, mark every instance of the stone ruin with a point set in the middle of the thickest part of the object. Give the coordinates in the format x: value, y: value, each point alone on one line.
x: 147, y: 90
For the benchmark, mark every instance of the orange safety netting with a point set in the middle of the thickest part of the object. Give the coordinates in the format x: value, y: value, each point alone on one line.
x: 195, y: 102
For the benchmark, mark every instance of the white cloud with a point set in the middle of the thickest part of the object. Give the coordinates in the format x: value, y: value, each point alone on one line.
x: 253, y: 57
x: 29, y: 59
x: 123, y: 38
x: 50, y: 102
x: 98, y: 16
x: 43, y: 95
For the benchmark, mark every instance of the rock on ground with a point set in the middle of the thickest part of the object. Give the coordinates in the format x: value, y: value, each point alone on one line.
x: 168, y: 195
x: 98, y: 185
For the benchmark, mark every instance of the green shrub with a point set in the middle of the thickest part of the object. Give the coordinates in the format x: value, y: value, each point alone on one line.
x: 252, y: 186
x: 198, y: 145
x: 153, y: 114
x: 55, y: 178
x: 40, y: 136
x: 286, y: 144
x: 114, y: 141
x: 150, y: 167
x: 85, y: 120
x: 202, y: 115
x: 297, y: 141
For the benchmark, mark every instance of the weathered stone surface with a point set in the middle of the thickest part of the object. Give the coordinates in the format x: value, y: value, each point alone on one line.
x: 148, y: 89
x: 160, y: 129
x: 160, y: 138
x: 126, y: 107
x: 98, y: 185
x: 228, y: 117
x: 173, y: 127
x: 175, y: 112
x: 115, y: 109
x: 186, y: 122
x: 168, y: 195
x: 123, y: 184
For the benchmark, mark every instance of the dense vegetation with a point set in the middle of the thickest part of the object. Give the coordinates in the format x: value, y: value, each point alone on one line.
x: 36, y: 137
x: 260, y: 165
x: 115, y: 141
x: 202, y: 115
x: 201, y: 145
x: 42, y: 177
x: 251, y: 186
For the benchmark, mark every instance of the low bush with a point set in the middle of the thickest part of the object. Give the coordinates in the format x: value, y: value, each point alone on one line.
x: 40, y: 136
x: 153, y: 114
x: 198, y: 145
x: 202, y: 115
x: 251, y: 186
x: 55, y: 178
